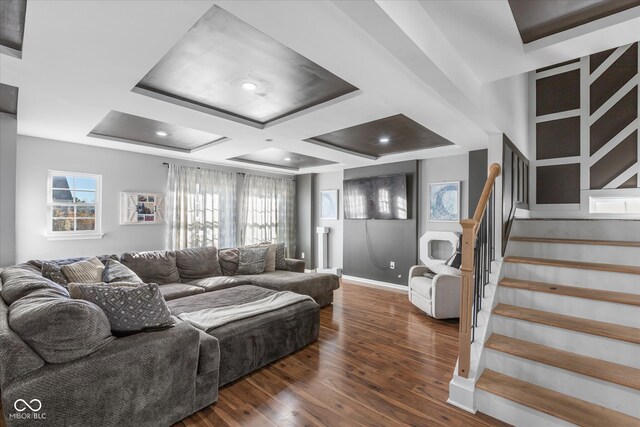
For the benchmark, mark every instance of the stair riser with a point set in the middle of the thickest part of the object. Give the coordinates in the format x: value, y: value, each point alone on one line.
x: 593, y: 279
x: 613, y: 396
x: 589, y: 253
x: 615, y: 351
x: 514, y: 413
x: 571, y: 229
x: 621, y: 314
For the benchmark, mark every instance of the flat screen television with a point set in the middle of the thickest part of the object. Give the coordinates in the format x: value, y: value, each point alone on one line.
x: 377, y: 197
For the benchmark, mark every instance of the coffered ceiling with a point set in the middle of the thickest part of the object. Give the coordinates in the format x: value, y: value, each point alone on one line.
x: 452, y: 67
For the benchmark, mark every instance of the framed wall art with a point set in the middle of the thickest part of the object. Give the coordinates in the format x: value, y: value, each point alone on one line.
x: 329, y: 204
x: 444, y: 201
x: 141, y: 208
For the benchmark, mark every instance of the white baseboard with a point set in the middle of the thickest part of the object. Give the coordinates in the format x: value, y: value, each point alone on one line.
x: 376, y: 284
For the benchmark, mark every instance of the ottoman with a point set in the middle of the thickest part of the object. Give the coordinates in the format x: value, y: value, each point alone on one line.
x: 249, y: 343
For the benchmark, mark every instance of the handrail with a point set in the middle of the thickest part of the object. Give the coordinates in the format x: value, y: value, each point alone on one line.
x: 477, y: 242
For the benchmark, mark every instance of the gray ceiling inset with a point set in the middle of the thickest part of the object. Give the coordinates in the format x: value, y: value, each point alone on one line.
x: 207, y: 68
x: 275, y: 157
x: 390, y: 135
x: 124, y: 127
x: 12, y: 14
x: 537, y: 19
x: 8, y: 99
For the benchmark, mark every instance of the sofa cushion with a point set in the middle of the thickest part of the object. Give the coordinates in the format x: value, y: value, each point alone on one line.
x: 220, y: 282
x: 86, y: 271
x: 58, y: 328
x: 445, y: 269
x: 153, y: 266
x: 228, y: 259
x: 252, y: 260
x: 198, y: 263
x: 178, y: 290
x: 19, y: 282
x: 422, y: 286
x: 312, y: 284
x: 114, y: 271
x: 130, y: 307
x: 281, y: 264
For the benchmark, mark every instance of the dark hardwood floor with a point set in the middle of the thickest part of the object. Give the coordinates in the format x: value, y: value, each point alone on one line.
x: 379, y: 361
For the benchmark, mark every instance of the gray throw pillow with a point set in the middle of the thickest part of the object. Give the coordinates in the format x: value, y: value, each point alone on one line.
x: 19, y: 282
x: 252, y: 260
x: 52, y: 270
x: 228, y: 259
x: 281, y: 264
x: 270, y: 263
x: 59, y: 328
x: 87, y: 271
x: 130, y: 307
x: 153, y: 266
x: 115, y: 271
x: 198, y: 263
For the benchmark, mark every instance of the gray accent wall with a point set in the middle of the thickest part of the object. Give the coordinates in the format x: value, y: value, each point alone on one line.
x: 8, y: 147
x: 372, y: 244
x: 120, y: 170
x: 305, y: 205
x: 478, y: 169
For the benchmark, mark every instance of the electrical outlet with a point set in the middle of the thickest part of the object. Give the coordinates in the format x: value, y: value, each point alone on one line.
x: 302, y: 255
x: 399, y: 276
x: 392, y: 265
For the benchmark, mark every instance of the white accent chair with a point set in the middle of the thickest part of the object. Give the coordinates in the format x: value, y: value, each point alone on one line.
x: 439, y: 297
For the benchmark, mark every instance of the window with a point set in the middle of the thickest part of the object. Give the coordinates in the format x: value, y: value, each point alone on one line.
x: 73, y: 201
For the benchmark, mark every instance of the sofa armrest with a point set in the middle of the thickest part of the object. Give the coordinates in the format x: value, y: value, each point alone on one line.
x: 142, y: 379
x: 295, y: 265
x: 417, y: 270
x: 446, y: 291
x: 209, y: 358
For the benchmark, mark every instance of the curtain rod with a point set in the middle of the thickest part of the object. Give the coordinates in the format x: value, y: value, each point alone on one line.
x: 238, y: 173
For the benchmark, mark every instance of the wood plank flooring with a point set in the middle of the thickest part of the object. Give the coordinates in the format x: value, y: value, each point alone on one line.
x: 379, y: 361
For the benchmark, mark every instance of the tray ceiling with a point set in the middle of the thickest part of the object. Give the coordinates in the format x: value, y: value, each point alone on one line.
x: 12, y: 17
x: 227, y: 66
x: 282, y: 159
x: 8, y: 99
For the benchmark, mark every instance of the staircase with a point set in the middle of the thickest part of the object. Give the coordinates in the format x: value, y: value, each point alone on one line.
x: 565, y: 342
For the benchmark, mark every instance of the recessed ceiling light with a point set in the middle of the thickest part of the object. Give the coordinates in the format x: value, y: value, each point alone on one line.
x: 161, y: 133
x: 287, y: 159
x: 269, y: 139
x: 248, y: 86
x: 384, y: 140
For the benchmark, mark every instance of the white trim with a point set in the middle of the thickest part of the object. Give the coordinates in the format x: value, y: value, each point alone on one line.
x: 558, y: 70
x: 620, y: 179
x: 608, y: 63
x: 557, y: 207
x: 559, y: 161
x: 558, y: 116
x: 613, y: 143
x: 375, y: 284
x: 633, y: 82
x: 73, y: 236
x: 638, y: 112
x: 585, y: 135
x: 533, y: 143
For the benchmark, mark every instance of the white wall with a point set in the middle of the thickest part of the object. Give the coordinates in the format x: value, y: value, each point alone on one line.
x: 442, y: 169
x: 8, y: 147
x: 120, y: 170
x: 330, y: 181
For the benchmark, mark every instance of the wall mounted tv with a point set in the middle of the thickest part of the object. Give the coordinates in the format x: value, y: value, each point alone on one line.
x: 377, y: 197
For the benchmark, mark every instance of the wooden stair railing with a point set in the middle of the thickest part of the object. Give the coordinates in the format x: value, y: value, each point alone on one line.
x: 478, y: 251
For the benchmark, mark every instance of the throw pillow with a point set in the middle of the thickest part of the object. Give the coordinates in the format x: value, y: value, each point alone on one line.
x: 130, y: 307
x: 52, y: 269
x: 88, y: 271
x: 198, y: 263
x: 153, y: 266
x: 228, y: 259
x: 445, y: 269
x: 59, y: 328
x: 270, y: 263
x: 281, y: 264
x: 115, y: 271
x: 252, y: 260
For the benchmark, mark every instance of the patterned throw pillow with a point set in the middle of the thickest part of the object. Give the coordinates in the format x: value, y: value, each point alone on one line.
x: 252, y: 260
x: 88, y: 271
x: 114, y: 271
x: 270, y: 264
x: 281, y: 264
x: 130, y: 307
x: 53, y: 272
x: 228, y: 259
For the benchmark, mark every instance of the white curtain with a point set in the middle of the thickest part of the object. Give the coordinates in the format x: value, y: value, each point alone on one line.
x: 201, y: 208
x: 267, y: 211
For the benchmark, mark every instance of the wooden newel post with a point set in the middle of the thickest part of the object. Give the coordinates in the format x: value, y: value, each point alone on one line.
x: 466, y: 296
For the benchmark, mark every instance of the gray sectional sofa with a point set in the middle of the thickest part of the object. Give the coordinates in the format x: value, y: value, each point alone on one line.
x: 58, y: 356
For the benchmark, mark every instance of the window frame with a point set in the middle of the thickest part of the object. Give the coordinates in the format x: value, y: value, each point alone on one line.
x: 76, y: 234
